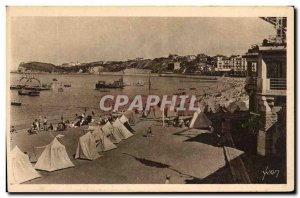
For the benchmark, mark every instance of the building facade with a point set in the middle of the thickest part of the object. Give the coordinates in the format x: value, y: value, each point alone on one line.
x: 236, y: 64
x: 267, y: 95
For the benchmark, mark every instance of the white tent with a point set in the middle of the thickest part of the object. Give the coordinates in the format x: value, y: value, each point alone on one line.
x: 122, y: 129
x: 123, y: 119
x: 54, y: 157
x: 200, y: 120
x: 20, y: 167
x: 131, y: 116
x: 86, y: 148
x: 102, y: 142
x: 125, y: 122
x: 114, y: 135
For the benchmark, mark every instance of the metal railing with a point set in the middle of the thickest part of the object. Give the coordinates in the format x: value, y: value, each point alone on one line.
x: 277, y: 83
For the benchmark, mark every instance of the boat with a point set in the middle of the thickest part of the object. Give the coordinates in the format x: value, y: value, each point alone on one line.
x: 118, y: 84
x: 67, y: 85
x: 14, y: 87
x: 33, y: 88
x: 24, y: 92
x: 192, y: 88
x: 25, y: 85
x: 15, y: 103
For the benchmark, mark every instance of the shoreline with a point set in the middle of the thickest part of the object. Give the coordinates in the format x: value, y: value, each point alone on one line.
x: 205, y: 77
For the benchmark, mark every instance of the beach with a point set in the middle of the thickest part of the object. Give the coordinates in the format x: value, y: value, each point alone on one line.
x: 187, y: 152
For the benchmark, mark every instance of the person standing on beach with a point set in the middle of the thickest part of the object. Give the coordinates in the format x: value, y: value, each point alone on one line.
x: 40, y: 122
x: 37, y: 124
x: 149, y: 132
x: 45, y: 124
x: 12, y: 130
x: 167, y: 181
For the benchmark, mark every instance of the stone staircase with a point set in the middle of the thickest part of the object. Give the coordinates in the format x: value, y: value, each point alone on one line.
x: 270, y: 120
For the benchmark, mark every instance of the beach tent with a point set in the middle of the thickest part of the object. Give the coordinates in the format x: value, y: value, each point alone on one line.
x: 113, y: 135
x: 131, y: 116
x: 102, y: 142
x: 20, y: 167
x: 123, y: 119
x: 86, y: 148
x: 125, y: 122
x: 122, y: 129
x: 200, y: 120
x: 54, y: 157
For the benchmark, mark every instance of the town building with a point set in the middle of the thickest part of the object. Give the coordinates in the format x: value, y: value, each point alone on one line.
x: 267, y: 90
x: 267, y: 94
x: 176, y: 66
x: 202, y: 58
x: 239, y: 65
x: 235, y: 64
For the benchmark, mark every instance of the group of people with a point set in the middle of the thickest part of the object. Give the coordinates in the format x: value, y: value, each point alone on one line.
x: 40, y: 124
x: 80, y: 120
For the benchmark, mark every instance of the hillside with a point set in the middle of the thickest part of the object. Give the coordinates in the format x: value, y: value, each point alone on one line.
x: 38, y: 67
x: 157, y: 65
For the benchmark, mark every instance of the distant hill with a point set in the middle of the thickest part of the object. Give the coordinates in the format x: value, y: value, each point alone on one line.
x: 158, y: 65
x: 37, y: 67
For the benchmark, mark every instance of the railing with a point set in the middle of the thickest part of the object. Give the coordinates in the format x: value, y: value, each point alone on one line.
x: 277, y: 83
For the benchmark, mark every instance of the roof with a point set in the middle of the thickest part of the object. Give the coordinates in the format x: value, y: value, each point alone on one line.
x: 272, y: 48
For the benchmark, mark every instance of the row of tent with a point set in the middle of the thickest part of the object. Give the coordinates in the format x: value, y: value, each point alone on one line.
x: 54, y: 156
x: 200, y: 120
x: 228, y: 106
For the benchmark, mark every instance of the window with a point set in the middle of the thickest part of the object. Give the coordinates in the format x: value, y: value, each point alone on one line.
x: 274, y: 70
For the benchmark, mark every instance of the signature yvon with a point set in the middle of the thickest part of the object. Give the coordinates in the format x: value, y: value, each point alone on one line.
x: 270, y: 172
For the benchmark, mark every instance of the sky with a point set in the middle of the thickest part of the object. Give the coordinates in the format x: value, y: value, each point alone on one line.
x: 60, y: 40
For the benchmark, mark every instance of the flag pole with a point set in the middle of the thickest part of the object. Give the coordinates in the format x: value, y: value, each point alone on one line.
x: 163, y: 117
x: 149, y: 88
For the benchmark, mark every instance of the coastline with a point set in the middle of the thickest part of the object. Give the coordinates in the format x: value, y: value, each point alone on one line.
x: 205, y: 77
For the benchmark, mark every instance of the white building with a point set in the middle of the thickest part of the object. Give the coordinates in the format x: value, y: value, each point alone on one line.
x: 176, y: 66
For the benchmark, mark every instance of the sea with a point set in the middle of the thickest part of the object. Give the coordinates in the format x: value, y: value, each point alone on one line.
x: 82, y: 95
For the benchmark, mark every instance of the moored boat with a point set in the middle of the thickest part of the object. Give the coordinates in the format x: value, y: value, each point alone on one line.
x: 15, y: 103
x: 118, y: 84
x: 67, y: 85
x: 24, y: 92
x: 27, y: 85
